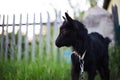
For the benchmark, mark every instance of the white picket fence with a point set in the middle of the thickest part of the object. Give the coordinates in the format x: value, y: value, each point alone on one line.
x: 36, y: 35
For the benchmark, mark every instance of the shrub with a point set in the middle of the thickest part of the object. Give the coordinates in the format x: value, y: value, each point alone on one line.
x: 114, y: 54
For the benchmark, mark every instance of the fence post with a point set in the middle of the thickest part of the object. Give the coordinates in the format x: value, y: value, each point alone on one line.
x: 26, y: 40
x: 13, y: 39
x: 40, y: 35
x: 55, y: 35
x: 20, y: 39
x: 55, y: 26
x: 48, y: 35
x: 116, y: 24
x: 6, y: 47
x: 60, y: 51
x: 2, y: 40
x: 33, y: 41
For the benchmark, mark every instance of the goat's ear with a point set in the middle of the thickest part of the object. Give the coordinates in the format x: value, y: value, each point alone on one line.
x: 64, y: 18
x: 68, y: 17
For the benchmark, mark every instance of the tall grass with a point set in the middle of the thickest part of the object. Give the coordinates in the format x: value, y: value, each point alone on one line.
x: 43, y: 68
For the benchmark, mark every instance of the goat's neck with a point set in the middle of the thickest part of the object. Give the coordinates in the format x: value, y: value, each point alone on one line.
x: 80, y: 46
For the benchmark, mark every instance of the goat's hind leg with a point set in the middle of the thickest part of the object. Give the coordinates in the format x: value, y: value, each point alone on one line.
x: 104, y: 72
x: 104, y: 69
x: 92, y: 74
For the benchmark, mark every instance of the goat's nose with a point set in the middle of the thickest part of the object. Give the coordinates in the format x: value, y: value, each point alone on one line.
x: 57, y: 43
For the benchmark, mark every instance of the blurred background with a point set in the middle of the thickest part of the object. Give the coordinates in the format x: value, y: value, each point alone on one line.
x: 28, y: 29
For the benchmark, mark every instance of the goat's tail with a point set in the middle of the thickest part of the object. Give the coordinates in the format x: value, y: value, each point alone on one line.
x: 107, y: 40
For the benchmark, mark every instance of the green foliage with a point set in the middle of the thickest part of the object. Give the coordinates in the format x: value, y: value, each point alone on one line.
x: 115, y: 63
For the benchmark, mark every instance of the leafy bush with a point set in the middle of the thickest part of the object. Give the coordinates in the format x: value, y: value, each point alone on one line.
x: 114, y: 54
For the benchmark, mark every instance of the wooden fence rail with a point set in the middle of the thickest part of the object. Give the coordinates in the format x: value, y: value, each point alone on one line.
x: 18, y: 44
x: 116, y: 24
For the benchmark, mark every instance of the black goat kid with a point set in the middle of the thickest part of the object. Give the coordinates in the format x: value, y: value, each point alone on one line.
x: 73, y: 33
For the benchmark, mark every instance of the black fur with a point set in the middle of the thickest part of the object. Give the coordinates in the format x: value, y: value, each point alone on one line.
x: 73, y: 33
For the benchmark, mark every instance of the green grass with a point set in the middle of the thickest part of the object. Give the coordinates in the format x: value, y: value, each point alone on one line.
x: 34, y: 70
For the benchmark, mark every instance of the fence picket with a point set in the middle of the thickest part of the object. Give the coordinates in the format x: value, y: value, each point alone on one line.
x: 116, y: 24
x: 13, y: 39
x: 2, y: 39
x: 33, y: 41
x: 48, y: 35
x: 6, y: 43
x: 55, y: 31
x: 20, y: 38
x: 40, y: 35
x: 26, y: 40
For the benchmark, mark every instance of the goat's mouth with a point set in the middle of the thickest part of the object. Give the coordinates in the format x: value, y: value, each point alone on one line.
x: 61, y: 44
x: 58, y: 44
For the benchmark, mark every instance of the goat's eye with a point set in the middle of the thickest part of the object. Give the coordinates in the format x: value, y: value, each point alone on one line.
x: 64, y: 32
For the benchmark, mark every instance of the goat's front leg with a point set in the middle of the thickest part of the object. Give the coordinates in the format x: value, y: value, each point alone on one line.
x: 75, y: 67
x: 92, y: 73
x: 75, y: 73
